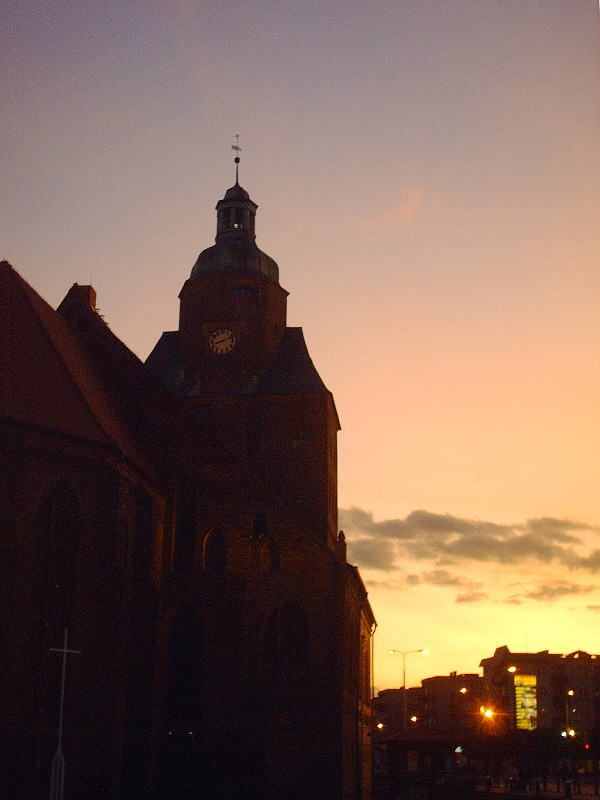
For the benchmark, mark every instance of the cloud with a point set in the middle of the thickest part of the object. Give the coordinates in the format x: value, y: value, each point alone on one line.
x: 448, y: 540
x: 593, y: 608
x: 471, y: 597
x: 548, y: 592
x: 441, y: 577
x: 372, y: 554
x: 402, y: 212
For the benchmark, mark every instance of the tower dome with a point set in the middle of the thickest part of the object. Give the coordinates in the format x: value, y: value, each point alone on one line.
x: 235, y: 249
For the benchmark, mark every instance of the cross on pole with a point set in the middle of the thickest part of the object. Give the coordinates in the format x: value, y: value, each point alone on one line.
x: 57, y: 774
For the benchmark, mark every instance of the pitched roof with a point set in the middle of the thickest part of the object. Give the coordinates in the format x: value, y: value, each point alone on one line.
x: 45, y: 378
x: 292, y: 371
x: 151, y: 413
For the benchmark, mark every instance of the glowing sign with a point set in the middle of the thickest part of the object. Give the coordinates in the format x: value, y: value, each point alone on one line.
x: 526, y: 702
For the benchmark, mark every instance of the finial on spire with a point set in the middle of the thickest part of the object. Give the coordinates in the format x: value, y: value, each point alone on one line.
x: 238, y: 149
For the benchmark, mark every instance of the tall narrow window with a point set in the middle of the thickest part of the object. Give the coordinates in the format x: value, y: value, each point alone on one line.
x: 214, y: 551
x: 185, y: 534
x: 54, y: 593
x: 286, y: 644
x: 57, y: 560
x: 269, y: 559
x: 259, y: 526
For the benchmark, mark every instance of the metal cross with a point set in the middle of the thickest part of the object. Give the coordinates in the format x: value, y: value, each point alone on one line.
x: 57, y: 774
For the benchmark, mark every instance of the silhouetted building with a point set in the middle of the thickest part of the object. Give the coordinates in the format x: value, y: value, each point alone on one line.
x: 452, y: 703
x: 179, y: 518
x: 544, y: 690
x: 444, y: 703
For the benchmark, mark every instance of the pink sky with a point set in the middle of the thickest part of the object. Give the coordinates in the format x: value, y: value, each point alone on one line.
x: 427, y: 179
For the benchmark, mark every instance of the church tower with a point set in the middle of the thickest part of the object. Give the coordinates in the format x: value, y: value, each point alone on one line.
x: 234, y: 356
x: 233, y: 310
x: 180, y: 517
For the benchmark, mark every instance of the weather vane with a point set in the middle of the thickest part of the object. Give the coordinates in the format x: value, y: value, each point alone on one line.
x: 238, y: 149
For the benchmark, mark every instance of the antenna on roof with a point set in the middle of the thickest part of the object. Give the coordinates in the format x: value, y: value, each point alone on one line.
x: 238, y: 149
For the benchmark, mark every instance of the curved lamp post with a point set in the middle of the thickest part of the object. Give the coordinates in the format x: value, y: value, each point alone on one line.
x: 404, y: 653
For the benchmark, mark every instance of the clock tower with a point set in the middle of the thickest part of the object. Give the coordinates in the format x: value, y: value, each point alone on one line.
x: 234, y: 358
x: 188, y: 505
x: 233, y: 310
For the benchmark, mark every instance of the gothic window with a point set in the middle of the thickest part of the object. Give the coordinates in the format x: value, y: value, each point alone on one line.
x: 259, y: 526
x: 286, y: 644
x: 185, y: 534
x: 180, y: 759
x: 54, y: 592
x: 57, y: 560
x: 214, y: 551
x: 269, y: 559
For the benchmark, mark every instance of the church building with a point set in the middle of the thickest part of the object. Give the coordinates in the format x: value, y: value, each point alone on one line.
x: 169, y: 549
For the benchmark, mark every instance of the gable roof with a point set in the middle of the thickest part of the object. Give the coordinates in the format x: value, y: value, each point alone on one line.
x: 152, y: 413
x: 45, y: 378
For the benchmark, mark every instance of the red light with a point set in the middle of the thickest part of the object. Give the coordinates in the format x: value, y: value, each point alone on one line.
x: 587, y: 747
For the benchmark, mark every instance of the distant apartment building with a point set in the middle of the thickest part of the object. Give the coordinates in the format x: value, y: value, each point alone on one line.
x: 544, y: 690
x: 442, y: 704
x: 452, y: 703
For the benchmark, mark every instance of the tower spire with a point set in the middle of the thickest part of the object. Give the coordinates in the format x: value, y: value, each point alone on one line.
x: 238, y: 149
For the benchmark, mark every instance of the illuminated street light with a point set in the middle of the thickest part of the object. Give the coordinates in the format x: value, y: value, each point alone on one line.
x: 512, y: 669
x: 404, y: 653
x: 570, y: 693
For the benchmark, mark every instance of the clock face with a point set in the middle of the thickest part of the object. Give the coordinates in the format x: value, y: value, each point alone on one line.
x: 221, y: 341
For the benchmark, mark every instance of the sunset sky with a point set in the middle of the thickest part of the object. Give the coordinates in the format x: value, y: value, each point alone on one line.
x: 427, y: 175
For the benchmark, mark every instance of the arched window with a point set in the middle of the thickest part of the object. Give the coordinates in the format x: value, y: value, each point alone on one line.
x: 269, y: 559
x: 259, y: 526
x: 180, y: 761
x: 214, y: 551
x: 185, y: 533
x: 57, y: 559
x: 53, y: 594
x: 286, y: 644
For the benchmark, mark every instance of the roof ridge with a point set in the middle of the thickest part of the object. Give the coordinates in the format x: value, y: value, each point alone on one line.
x: 81, y: 372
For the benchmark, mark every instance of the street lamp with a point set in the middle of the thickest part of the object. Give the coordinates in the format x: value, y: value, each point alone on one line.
x: 404, y: 653
x: 570, y: 693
